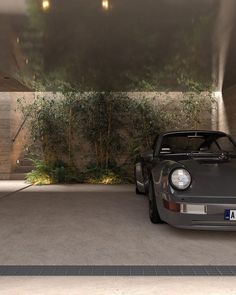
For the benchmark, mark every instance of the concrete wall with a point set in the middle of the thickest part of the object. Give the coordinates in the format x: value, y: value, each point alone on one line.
x: 5, y: 135
x: 11, y: 120
x: 227, y: 111
x: 12, y: 58
x: 172, y: 100
x: 19, y: 145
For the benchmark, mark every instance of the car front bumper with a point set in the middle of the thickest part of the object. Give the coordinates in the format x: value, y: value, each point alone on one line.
x: 214, y: 219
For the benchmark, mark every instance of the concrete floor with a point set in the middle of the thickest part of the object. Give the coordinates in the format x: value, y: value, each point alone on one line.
x: 7, y: 187
x: 117, y: 286
x: 98, y: 225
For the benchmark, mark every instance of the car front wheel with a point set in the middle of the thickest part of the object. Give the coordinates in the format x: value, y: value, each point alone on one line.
x: 138, y: 191
x: 138, y: 174
x: 153, y: 211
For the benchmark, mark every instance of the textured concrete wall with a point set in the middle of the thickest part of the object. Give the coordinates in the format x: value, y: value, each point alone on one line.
x: 5, y: 136
x: 12, y: 59
x: 19, y: 144
x: 11, y: 120
x: 227, y: 111
x: 172, y: 99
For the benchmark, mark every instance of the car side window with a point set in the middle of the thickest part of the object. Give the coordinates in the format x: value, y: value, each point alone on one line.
x: 213, y: 147
x: 225, y: 144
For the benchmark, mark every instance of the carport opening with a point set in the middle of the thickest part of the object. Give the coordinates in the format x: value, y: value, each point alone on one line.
x: 82, y: 98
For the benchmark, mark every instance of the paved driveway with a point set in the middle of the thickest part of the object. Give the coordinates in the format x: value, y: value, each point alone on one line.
x: 98, y: 225
x: 117, y: 285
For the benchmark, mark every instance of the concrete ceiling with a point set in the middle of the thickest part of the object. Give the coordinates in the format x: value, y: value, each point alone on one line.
x: 74, y: 30
x: 13, y: 7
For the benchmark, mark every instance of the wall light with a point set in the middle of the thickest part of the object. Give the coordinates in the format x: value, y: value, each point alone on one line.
x: 105, y: 4
x: 45, y: 5
x: 221, y: 120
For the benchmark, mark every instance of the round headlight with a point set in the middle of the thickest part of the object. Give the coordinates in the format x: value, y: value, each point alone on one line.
x: 180, y: 179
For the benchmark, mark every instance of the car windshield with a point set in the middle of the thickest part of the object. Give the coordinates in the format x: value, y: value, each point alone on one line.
x: 197, y: 142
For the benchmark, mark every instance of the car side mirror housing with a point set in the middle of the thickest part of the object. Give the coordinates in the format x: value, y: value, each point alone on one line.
x: 148, y: 156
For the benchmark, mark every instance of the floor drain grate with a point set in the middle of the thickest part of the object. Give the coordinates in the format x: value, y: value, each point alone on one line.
x: 101, y: 270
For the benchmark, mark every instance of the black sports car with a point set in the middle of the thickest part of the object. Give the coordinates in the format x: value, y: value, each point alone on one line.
x: 190, y: 179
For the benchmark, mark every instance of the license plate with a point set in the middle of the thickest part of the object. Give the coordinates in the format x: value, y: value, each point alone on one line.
x: 230, y: 215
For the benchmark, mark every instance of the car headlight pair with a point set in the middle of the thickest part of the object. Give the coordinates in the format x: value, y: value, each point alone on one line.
x: 180, y: 179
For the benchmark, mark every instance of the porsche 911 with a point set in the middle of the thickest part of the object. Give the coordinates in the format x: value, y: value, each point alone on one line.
x: 190, y: 179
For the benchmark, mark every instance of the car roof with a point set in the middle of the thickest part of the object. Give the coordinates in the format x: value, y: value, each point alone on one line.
x: 193, y: 132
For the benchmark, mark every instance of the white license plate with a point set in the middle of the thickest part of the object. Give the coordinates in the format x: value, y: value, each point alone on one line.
x: 230, y: 215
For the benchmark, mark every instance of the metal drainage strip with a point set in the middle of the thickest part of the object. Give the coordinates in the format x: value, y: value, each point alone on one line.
x: 118, y: 270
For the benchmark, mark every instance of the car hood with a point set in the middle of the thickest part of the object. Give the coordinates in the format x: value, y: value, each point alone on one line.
x: 212, y: 177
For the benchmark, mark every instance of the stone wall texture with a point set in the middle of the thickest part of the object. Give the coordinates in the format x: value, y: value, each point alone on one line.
x: 227, y: 111
x: 5, y: 135
x: 13, y: 147
x: 10, y: 122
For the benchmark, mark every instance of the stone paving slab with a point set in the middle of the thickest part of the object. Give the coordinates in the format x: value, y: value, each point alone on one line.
x: 11, y: 186
x: 99, y: 225
x: 117, y: 285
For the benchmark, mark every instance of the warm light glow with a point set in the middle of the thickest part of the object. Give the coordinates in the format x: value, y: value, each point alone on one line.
x: 221, y: 40
x: 219, y: 113
x: 105, y: 4
x: 45, y: 4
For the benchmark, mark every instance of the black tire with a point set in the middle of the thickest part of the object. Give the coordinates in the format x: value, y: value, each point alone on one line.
x: 153, y: 211
x: 136, y: 186
x: 138, y: 192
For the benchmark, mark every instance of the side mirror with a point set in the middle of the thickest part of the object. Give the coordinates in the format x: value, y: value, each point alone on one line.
x: 148, y: 156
